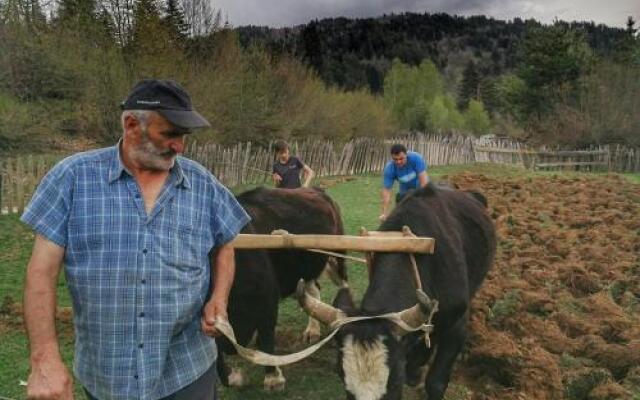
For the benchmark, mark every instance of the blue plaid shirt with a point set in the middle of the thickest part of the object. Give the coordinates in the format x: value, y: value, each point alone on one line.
x: 138, y: 282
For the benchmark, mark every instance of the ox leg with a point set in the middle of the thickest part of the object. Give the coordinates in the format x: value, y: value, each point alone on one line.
x: 449, y: 346
x: 222, y: 368
x: 274, y: 380
x: 236, y: 377
x: 312, y: 332
x: 228, y: 376
x: 266, y: 342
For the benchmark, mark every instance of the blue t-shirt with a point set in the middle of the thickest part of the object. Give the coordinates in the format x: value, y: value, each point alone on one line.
x: 407, y: 175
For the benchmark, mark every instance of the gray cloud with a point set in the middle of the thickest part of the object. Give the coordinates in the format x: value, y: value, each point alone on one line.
x: 294, y: 12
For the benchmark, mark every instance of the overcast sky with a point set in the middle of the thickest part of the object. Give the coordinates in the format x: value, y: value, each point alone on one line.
x: 279, y: 13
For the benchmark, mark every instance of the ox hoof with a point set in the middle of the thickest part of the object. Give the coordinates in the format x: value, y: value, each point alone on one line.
x: 312, y: 333
x: 236, y: 379
x: 274, y: 381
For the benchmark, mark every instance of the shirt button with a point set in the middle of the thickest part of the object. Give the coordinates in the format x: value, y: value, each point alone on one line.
x: 142, y: 315
x: 137, y: 196
x: 144, y: 281
x: 144, y: 251
x: 136, y: 376
x: 141, y: 345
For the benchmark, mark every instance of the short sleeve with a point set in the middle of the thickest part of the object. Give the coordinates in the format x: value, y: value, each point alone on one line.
x: 388, y: 176
x: 48, y: 211
x: 419, y: 164
x: 228, y: 216
x: 299, y: 164
x: 273, y: 168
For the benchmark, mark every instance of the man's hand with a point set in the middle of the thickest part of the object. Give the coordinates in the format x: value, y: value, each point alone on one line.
x: 308, y: 175
x: 386, y: 199
x: 212, y: 310
x: 276, y: 178
x: 49, y: 379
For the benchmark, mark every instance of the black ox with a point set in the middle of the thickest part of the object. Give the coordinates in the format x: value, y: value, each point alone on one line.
x: 263, y: 277
x: 375, y: 358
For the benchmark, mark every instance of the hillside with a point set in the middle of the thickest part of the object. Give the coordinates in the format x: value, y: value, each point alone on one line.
x: 356, y: 53
x: 64, y: 72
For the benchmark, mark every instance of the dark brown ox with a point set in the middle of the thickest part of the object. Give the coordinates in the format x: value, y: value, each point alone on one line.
x: 375, y: 361
x: 264, y: 277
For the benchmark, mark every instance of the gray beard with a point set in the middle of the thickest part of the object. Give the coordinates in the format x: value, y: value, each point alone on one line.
x: 149, y: 156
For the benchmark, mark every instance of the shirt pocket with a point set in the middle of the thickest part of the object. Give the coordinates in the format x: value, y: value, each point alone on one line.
x: 185, y: 248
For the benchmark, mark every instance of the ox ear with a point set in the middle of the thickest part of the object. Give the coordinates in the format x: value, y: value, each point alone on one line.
x: 317, y: 309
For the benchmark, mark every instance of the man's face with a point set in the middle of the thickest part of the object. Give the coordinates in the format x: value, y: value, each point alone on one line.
x: 283, y: 155
x: 399, y: 159
x: 158, y: 145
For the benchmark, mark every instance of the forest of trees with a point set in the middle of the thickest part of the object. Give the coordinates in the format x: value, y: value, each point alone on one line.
x: 567, y: 83
x: 63, y: 77
x: 65, y: 68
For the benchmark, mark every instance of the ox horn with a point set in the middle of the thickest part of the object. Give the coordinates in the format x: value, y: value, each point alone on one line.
x: 420, y: 313
x: 317, y: 309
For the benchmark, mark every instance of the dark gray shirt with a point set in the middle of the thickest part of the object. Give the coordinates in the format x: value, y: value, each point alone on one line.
x: 289, y: 172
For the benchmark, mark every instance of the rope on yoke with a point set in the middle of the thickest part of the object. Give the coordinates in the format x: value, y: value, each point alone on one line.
x: 339, y: 255
x: 266, y: 359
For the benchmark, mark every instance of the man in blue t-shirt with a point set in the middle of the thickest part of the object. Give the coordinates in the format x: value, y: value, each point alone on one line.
x: 408, y: 168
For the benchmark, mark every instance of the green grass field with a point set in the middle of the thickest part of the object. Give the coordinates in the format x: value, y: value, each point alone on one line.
x: 313, y: 378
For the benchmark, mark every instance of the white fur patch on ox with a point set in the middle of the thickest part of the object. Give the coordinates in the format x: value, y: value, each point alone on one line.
x: 365, y: 368
x: 236, y: 378
x: 274, y: 381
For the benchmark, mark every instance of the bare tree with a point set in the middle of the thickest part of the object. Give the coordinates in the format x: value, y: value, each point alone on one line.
x: 201, y: 17
x: 121, y: 11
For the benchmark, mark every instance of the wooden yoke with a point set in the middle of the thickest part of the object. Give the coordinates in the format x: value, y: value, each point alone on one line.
x: 375, y: 241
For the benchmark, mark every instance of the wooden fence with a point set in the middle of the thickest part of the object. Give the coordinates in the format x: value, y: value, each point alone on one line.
x: 614, y: 158
x: 19, y: 178
x: 245, y: 163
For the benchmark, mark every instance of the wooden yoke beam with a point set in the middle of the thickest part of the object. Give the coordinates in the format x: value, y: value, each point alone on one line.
x: 386, y: 243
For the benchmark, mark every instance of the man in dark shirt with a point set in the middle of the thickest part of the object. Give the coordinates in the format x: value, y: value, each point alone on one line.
x: 286, y: 169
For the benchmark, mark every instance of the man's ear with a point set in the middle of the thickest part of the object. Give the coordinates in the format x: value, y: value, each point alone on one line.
x: 131, y: 124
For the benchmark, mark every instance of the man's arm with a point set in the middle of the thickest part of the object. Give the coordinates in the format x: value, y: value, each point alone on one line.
x: 49, y: 377
x: 277, y: 179
x: 308, y: 175
x: 275, y: 176
x: 424, y: 178
x: 386, y: 199
x: 223, y: 268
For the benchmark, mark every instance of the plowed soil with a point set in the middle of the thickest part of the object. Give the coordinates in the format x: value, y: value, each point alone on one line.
x: 559, y: 315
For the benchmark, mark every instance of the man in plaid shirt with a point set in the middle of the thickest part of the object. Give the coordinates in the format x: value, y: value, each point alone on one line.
x: 144, y: 236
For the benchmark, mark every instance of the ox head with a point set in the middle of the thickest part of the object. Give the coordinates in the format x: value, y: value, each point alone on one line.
x: 371, y: 357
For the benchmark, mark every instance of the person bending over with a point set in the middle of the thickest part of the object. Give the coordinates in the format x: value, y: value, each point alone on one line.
x: 408, y: 168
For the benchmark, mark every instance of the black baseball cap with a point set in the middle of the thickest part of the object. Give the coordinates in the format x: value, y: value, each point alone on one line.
x: 168, y: 99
